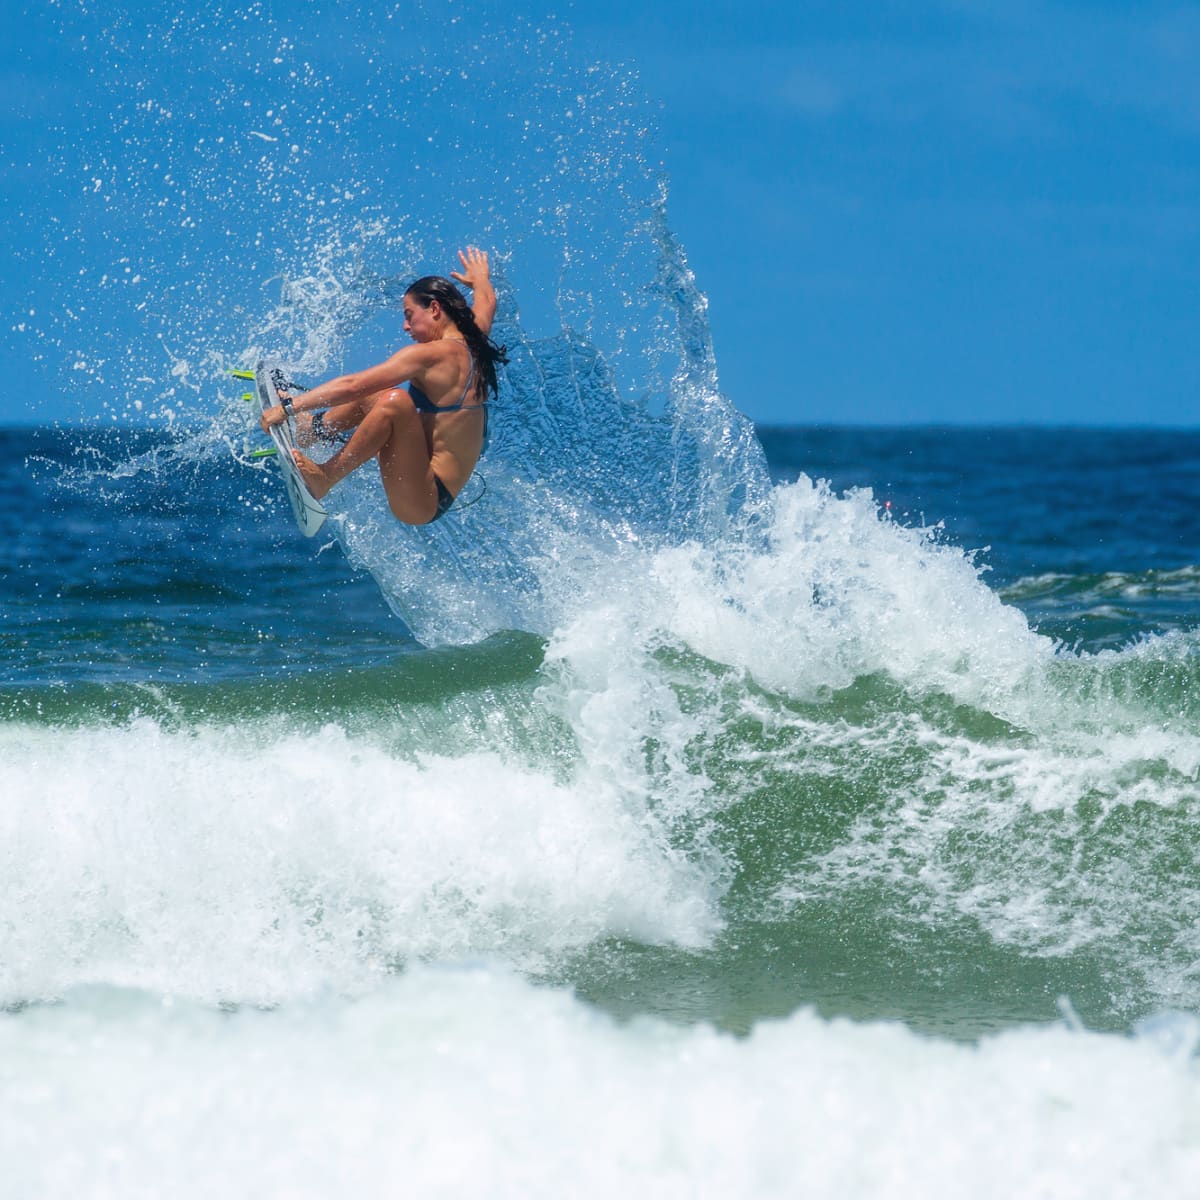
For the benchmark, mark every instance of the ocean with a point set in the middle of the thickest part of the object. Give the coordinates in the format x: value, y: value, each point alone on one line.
x: 851, y: 855
x: 696, y: 810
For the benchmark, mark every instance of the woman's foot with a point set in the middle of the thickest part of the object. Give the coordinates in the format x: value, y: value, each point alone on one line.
x: 313, y: 475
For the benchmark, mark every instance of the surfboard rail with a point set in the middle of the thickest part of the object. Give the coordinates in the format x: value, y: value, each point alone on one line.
x: 309, y: 512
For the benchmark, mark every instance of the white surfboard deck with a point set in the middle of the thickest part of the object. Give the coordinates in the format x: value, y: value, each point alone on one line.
x: 309, y: 512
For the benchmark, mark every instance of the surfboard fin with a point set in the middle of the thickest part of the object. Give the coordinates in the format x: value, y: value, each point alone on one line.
x: 263, y: 453
x: 242, y: 374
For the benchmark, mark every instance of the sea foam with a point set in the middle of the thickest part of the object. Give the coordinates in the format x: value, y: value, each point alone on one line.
x: 472, y: 1082
x: 246, y: 865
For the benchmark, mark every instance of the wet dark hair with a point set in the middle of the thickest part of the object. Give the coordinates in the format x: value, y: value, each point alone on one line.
x: 483, y: 350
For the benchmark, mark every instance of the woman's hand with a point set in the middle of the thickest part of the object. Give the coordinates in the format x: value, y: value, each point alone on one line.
x: 272, y: 416
x: 475, y: 267
x: 478, y: 277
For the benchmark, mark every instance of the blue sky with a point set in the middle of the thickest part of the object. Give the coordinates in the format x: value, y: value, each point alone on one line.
x: 961, y: 211
x: 918, y: 212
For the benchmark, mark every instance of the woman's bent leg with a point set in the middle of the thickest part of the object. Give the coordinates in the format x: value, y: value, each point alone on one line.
x: 405, y: 468
x: 391, y: 429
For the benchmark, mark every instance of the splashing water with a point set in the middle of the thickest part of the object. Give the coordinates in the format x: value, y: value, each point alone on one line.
x: 248, y: 151
x: 247, y: 196
x: 766, y: 747
x: 712, y: 645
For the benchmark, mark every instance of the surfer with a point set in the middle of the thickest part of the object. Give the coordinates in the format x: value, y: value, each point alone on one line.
x: 429, y: 437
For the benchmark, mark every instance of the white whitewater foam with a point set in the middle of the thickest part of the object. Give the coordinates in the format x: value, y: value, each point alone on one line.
x: 1048, y: 832
x: 841, y: 591
x: 472, y: 1083
x: 834, y: 592
x: 240, y: 864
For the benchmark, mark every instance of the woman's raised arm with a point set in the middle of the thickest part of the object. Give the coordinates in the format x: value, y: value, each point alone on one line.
x: 476, y: 274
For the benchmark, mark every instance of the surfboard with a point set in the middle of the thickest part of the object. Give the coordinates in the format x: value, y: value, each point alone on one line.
x: 309, y: 512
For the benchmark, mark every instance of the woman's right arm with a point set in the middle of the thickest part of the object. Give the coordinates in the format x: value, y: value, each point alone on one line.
x: 398, y: 369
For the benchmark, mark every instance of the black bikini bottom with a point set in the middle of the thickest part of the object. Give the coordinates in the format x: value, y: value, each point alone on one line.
x: 445, y: 499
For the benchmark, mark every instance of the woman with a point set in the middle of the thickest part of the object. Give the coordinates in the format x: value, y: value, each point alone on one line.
x: 429, y: 438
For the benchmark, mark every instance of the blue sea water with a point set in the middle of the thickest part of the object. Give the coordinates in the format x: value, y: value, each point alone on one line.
x: 696, y: 810
x: 861, y: 769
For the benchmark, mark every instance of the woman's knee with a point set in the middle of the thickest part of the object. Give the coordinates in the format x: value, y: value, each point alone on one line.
x: 396, y: 405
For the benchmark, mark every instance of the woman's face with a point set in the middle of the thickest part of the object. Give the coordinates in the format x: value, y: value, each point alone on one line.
x: 421, y: 324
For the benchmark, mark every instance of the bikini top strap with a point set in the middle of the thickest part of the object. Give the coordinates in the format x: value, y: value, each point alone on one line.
x: 470, y: 384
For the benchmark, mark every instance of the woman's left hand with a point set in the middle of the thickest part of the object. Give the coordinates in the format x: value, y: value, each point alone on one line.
x: 475, y: 267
